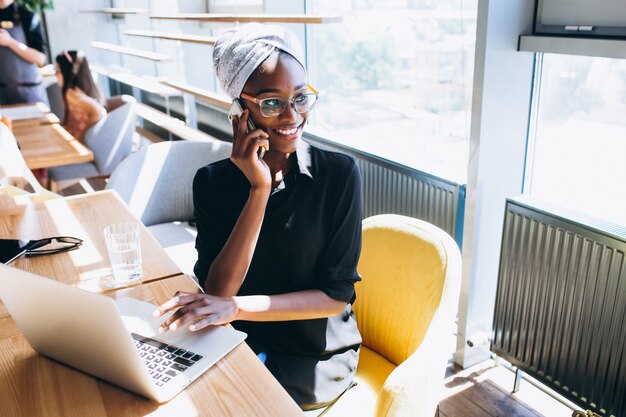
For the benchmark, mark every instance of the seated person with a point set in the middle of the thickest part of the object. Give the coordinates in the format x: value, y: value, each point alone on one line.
x: 83, y: 104
x: 279, y: 237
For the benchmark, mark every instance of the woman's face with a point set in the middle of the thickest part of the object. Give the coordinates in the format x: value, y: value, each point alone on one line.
x: 59, y: 75
x: 279, y: 76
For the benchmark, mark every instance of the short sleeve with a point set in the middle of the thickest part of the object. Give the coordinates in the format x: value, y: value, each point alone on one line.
x: 337, y: 266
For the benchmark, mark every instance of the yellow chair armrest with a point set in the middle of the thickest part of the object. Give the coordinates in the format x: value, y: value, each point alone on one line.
x: 413, y: 389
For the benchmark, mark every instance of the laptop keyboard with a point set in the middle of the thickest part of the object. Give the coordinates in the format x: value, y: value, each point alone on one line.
x: 164, y: 361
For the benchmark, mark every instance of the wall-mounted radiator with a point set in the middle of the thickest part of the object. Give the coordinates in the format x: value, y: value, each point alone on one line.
x: 560, y: 312
x: 389, y: 187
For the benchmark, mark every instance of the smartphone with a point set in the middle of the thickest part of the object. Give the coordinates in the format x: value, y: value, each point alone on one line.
x: 236, y: 109
x: 11, y: 249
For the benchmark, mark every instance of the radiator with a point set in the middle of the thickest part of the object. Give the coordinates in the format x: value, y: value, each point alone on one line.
x: 389, y: 187
x: 560, y: 311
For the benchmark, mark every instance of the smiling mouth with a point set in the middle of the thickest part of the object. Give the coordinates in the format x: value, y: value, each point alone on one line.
x: 288, y: 132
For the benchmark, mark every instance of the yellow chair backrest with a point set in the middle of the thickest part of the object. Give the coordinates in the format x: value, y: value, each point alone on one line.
x: 404, y: 264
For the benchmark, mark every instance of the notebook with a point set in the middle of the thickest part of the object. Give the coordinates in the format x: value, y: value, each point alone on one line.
x: 115, y: 340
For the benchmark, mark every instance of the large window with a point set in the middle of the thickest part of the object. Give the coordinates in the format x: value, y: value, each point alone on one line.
x: 580, y: 141
x: 396, y: 78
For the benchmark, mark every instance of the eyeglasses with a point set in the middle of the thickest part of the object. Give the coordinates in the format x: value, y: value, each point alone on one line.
x: 64, y: 244
x: 274, y: 106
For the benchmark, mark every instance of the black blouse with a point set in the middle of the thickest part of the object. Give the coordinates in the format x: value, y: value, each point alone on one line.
x: 310, y: 239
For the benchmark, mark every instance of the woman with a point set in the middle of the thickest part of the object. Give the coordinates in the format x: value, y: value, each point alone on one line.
x: 278, y: 238
x: 21, y: 53
x: 82, y: 100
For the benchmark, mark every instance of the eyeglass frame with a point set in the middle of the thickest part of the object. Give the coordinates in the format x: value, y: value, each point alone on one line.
x: 259, y: 101
x: 33, y: 249
x: 30, y: 250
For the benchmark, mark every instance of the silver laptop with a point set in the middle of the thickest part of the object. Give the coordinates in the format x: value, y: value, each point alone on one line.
x: 115, y: 340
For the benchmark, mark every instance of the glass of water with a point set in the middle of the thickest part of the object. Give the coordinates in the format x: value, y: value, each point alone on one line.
x: 124, y: 248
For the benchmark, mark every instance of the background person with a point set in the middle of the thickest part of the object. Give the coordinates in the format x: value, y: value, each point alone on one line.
x: 83, y: 103
x: 279, y: 238
x: 21, y: 53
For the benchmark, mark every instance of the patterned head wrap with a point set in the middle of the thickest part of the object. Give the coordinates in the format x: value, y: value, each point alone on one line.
x: 238, y: 52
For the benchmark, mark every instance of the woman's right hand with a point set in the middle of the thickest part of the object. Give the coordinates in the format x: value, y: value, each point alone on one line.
x: 244, y: 154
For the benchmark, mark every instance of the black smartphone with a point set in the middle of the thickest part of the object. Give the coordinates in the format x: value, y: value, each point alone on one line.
x: 236, y: 109
x: 11, y: 249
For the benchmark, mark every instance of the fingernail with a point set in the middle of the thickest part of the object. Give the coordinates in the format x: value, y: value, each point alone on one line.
x: 192, y: 327
x: 173, y: 326
x: 161, y: 330
x: 156, y: 313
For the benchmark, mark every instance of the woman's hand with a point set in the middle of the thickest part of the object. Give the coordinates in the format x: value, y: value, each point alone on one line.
x: 196, y: 310
x: 244, y: 154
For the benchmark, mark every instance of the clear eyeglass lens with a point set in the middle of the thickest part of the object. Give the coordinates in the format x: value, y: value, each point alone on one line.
x: 271, y: 107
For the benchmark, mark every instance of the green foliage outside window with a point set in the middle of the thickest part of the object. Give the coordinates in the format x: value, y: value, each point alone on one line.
x: 36, y: 5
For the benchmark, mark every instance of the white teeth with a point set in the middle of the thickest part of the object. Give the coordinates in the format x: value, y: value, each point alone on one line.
x: 287, y: 132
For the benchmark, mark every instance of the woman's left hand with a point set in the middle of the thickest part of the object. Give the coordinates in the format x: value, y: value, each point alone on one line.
x: 196, y: 310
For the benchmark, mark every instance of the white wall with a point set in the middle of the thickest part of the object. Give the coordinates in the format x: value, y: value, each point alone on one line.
x: 500, y: 111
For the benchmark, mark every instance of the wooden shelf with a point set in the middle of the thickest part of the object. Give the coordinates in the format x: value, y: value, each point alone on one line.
x: 116, y: 10
x: 209, y: 96
x: 153, y: 56
x: 144, y: 84
x: 149, y: 85
x: 606, y: 48
x: 171, y: 124
x: 261, y: 17
x: 183, y: 37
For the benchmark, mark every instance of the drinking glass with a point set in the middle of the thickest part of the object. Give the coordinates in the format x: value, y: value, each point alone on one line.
x: 124, y: 248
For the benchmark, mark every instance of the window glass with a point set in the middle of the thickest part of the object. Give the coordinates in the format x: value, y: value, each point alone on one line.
x: 580, y: 139
x: 396, y: 79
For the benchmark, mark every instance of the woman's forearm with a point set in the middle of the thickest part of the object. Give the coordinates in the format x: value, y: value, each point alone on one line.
x: 302, y: 305
x: 231, y: 265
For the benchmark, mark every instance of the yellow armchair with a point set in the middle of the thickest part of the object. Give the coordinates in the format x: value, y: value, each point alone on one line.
x: 405, y: 308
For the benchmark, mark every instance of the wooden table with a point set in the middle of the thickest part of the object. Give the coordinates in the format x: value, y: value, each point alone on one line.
x: 49, y: 145
x: 44, y: 143
x: 83, y: 216
x: 238, y: 385
x: 28, y: 112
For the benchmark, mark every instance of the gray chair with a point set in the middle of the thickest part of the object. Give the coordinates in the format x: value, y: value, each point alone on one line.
x: 111, y: 140
x: 156, y: 183
x: 55, y: 98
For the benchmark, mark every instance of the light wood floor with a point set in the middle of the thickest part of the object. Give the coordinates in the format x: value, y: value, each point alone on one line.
x: 484, y: 390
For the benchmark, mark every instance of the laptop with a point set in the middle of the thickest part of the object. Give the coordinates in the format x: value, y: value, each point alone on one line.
x: 115, y: 340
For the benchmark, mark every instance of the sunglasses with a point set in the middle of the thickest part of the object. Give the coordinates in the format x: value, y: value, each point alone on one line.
x: 274, y: 106
x: 63, y: 244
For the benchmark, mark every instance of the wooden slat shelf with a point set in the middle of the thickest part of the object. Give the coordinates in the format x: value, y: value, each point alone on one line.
x: 99, y: 69
x: 116, y: 10
x: 261, y: 17
x: 183, y: 37
x: 153, y: 56
x: 146, y: 84
x: 205, y: 95
x: 171, y: 124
